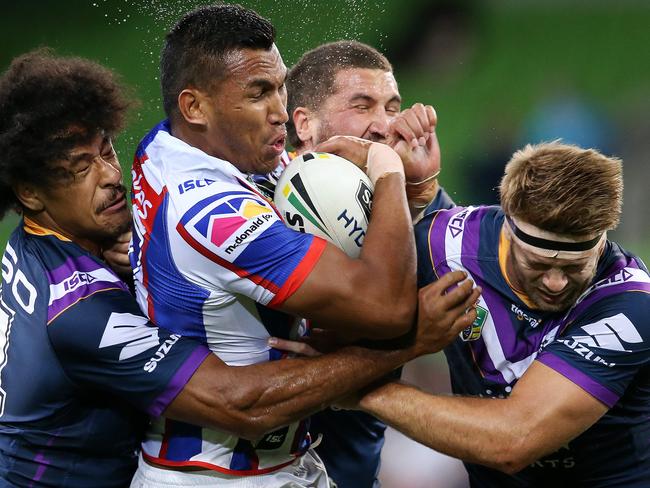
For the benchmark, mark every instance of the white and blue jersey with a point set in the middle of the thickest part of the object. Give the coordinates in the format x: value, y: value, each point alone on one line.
x: 602, y: 344
x: 79, y: 367
x: 213, y: 260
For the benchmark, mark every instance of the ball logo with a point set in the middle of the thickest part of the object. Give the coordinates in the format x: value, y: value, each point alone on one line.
x: 364, y: 199
x: 298, y: 197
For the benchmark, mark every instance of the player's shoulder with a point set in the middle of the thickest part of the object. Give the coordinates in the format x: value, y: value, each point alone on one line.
x: 619, y: 297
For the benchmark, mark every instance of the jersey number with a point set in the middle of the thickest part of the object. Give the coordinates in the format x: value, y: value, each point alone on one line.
x: 24, y: 295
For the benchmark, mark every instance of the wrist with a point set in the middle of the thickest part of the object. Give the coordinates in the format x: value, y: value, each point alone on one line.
x: 382, y: 161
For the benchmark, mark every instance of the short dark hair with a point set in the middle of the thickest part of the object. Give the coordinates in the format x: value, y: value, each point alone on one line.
x: 195, y: 48
x: 42, y: 97
x: 311, y: 80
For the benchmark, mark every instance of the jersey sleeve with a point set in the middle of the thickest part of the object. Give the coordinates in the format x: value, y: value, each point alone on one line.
x: 603, y: 350
x: 105, y: 343
x: 236, y: 239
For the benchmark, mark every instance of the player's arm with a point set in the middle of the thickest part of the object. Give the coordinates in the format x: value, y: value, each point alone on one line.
x: 374, y: 295
x: 104, y: 343
x: 544, y: 412
x: 252, y: 400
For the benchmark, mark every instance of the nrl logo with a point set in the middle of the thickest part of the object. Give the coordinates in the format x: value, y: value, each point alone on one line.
x: 473, y: 332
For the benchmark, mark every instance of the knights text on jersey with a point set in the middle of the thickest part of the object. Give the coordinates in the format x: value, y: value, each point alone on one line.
x: 213, y: 260
x: 79, y: 367
x: 602, y: 344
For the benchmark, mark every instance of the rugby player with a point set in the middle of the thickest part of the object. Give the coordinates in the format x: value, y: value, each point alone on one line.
x: 560, y: 349
x: 79, y: 363
x: 349, y: 88
x: 213, y: 260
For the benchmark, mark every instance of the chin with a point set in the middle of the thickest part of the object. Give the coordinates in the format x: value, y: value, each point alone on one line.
x: 563, y: 304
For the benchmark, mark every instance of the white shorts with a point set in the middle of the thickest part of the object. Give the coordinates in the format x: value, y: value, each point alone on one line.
x: 307, y: 471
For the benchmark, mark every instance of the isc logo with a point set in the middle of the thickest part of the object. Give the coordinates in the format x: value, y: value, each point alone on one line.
x: 78, y: 278
x: 192, y: 184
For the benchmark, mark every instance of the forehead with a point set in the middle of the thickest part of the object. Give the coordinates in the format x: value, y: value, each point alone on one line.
x: 376, y: 83
x: 246, y: 66
x: 550, y: 258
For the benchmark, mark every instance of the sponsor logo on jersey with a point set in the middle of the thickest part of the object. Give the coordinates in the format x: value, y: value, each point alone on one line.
x: 611, y: 334
x: 297, y: 196
x: 77, y: 279
x: 473, y: 332
x: 132, y: 332
x: 521, y: 315
x: 457, y: 223
x: 193, y: 184
x: 162, y: 351
x: 273, y: 440
x: 231, y: 222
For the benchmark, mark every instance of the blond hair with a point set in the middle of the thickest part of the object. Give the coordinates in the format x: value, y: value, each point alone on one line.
x: 563, y: 188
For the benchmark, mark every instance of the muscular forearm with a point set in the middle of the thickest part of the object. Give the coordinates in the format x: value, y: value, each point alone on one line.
x: 476, y: 430
x: 252, y: 400
x: 389, y: 252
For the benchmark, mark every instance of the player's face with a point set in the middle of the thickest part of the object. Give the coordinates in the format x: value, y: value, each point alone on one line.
x: 87, y: 200
x: 552, y: 284
x: 362, y: 105
x: 248, y: 111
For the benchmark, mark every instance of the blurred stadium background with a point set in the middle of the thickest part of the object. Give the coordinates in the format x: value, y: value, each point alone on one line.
x: 499, y: 73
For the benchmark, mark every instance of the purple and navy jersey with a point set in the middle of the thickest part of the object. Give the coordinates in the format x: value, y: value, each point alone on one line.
x: 602, y: 344
x: 79, y: 367
x: 213, y: 260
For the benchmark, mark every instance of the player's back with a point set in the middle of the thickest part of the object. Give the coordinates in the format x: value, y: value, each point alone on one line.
x: 51, y: 432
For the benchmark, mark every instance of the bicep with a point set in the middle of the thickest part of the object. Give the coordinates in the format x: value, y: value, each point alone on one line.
x: 328, y: 292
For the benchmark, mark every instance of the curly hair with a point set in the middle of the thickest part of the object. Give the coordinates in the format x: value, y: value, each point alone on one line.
x: 563, y: 189
x: 311, y: 80
x: 49, y: 105
x: 195, y: 48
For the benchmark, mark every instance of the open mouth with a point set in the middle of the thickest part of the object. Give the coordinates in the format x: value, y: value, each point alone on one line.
x: 279, y: 142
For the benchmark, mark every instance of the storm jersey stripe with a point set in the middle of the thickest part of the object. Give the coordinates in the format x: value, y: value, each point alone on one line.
x: 602, y: 344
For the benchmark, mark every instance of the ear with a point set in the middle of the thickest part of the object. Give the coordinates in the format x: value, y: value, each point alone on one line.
x: 29, y: 196
x: 306, y: 124
x: 190, y: 104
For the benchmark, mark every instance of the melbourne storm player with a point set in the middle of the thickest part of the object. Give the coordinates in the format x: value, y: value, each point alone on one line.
x: 212, y: 258
x: 74, y: 343
x: 561, y: 343
x: 78, y: 360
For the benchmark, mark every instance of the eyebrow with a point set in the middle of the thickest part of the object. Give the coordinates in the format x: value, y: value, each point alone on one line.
x: 76, y: 158
x: 368, y: 98
x: 265, y: 83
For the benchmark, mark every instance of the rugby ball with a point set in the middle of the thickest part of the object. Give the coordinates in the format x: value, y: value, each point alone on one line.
x: 328, y: 196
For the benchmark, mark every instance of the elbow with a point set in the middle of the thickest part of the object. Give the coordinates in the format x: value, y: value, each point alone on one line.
x: 512, y: 457
x: 390, y: 322
x: 253, y: 428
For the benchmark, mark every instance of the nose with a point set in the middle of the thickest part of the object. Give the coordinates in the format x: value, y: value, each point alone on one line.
x: 555, y: 280
x: 110, y: 171
x: 378, y: 129
x: 278, y: 110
